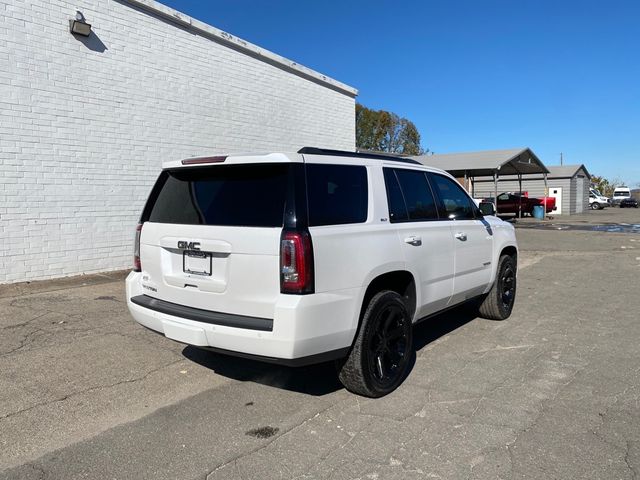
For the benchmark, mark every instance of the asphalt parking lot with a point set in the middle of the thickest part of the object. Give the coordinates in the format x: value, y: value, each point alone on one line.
x: 553, y: 392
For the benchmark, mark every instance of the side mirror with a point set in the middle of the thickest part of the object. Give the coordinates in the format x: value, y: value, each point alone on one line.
x: 487, y: 208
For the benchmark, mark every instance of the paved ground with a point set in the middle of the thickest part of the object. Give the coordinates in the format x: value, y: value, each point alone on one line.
x: 553, y: 392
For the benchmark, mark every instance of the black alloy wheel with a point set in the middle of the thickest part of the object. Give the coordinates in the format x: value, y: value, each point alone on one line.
x: 388, y: 346
x: 507, y: 286
x: 381, y: 352
x: 498, y: 303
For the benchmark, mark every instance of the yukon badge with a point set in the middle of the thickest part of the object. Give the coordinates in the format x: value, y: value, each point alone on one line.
x: 184, y: 245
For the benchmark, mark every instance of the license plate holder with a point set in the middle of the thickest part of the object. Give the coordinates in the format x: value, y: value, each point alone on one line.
x: 197, y: 263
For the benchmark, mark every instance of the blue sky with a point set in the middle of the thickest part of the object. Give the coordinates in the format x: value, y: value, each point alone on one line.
x: 556, y: 76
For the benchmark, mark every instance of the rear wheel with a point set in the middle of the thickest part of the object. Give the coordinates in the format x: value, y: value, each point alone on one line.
x: 498, y: 303
x: 380, y: 355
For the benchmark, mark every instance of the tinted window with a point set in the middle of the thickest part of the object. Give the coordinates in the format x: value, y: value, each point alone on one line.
x: 234, y: 195
x: 416, y: 194
x: 455, y: 202
x: 337, y: 194
x: 397, y: 207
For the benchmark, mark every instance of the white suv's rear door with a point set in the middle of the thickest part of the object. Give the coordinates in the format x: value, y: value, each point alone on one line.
x: 425, y: 240
x: 211, y: 238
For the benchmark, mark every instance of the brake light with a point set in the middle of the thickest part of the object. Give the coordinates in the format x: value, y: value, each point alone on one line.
x: 296, y: 263
x: 137, y: 266
x: 202, y: 160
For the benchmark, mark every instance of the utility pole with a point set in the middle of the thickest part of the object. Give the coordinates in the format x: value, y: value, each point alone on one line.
x: 560, y: 158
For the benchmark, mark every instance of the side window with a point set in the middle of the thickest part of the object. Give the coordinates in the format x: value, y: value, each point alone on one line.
x: 414, y: 192
x: 456, y: 203
x: 337, y: 194
x: 504, y: 196
x: 397, y: 207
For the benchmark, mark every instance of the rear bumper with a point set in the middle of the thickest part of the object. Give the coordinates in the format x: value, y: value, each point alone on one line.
x: 305, y: 329
x: 203, y: 316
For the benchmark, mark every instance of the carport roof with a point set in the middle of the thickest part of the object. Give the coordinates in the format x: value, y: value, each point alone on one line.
x: 475, y: 164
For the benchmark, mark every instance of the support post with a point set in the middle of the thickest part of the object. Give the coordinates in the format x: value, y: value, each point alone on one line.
x: 546, y: 194
x: 520, y: 196
x: 495, y: 190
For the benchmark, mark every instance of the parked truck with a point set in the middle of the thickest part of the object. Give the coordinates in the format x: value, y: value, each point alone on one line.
x: 513, y: 202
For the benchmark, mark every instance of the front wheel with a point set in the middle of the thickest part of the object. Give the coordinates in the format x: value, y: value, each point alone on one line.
x: 595, y: 206
x: 498, y: 303
x: 380, y: 355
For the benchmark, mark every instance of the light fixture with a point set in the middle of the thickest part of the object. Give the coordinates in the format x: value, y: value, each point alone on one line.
x: 79, y: 25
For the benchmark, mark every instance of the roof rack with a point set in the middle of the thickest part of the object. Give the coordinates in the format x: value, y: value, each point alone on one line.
x: 341, y: 153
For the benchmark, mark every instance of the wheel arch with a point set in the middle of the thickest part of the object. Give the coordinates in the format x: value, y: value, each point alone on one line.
x: 401, y: 281
x: 510, y: 250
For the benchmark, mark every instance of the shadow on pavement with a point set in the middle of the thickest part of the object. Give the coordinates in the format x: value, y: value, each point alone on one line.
x: 317, y: 380
x: 320, y: 379
x: 432, y: 328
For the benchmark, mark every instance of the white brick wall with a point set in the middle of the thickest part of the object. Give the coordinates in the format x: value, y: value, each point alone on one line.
x: 86, y: 124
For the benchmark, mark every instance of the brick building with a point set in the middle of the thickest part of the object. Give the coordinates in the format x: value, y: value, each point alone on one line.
x: 86, y: 122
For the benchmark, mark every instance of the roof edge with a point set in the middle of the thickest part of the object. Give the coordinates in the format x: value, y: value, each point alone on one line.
x: 576, y: 168
x: 531, y: 154
x: 237, y: 43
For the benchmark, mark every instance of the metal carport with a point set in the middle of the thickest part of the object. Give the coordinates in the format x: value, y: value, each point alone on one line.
x: 490, y: 163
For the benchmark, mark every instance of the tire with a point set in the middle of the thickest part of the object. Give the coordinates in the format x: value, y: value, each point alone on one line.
x: 595, y: 206
x: 498, y: 303
x: 379, y: 358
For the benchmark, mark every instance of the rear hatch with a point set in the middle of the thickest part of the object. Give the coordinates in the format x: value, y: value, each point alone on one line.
x: 211, y: 237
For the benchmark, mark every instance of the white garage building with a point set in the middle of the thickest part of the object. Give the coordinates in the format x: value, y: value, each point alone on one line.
x: 86, y: 122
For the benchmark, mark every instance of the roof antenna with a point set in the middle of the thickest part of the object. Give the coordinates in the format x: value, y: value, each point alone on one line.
x: 560, y: 158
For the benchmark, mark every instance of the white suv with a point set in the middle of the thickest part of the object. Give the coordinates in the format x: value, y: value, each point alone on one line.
x: 314, y: 256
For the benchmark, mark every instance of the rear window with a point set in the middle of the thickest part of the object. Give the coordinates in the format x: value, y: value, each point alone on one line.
x: 337, y: 194
x: 232, y: 195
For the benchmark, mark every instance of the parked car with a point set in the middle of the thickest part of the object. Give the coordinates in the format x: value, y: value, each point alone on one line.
x: 620, y: 193
x: 314, y: 256
x: 628, y: 203
x: 598, y: 201
x: 512, y: 202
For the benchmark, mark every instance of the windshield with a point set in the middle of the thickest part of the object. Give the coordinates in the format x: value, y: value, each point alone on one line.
x: 620, y: 194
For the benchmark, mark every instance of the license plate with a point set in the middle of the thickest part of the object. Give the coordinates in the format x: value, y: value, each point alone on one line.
x: 196, y: 263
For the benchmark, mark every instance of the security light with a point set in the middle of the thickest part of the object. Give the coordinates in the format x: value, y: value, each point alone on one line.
x: 79, y: 25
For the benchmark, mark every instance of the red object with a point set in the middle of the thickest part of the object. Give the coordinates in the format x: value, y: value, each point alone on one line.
x: 511, y: 203
x: 201, y: 160
x: 296, y: 262
x: 137, y: 266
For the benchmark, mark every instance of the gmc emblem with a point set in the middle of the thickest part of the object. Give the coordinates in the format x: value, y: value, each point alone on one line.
x: 184, y: 245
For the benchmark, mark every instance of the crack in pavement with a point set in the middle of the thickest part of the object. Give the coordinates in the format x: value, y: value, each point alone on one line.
x: 265, y: 445
x: 23, y: 342
x: 91, y: 389
x: 634, y: 473
x: 24, y: 324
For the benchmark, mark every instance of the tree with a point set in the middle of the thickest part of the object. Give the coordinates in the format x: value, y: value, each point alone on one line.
x: 382, y: 131
x: 604, y: 185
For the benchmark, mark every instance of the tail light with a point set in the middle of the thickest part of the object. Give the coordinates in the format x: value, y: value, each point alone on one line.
x: 137, y: 266
x: 296, y: 263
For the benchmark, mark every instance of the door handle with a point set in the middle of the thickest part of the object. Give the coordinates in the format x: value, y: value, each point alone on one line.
x: 461, y: 236
x: 413, y: 240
